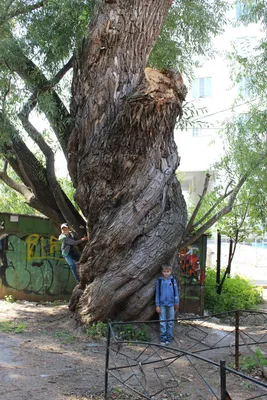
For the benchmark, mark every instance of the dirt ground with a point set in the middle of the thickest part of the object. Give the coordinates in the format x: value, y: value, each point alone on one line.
x: 43, y: 356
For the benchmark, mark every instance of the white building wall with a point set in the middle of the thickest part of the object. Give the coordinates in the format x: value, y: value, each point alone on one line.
x: 200, y: 148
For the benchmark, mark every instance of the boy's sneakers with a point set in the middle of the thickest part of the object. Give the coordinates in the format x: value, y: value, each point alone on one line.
x: 165, y: 343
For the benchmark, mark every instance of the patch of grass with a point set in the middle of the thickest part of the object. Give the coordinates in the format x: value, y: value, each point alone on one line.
x: 65, y: 337
x: 58, y: 303
x: 12, y: 327
x: 248, y: 363
x: 97, y: 330
x: 120, y: 394
x: 134, y: 332
x: 55, y: 303
x: 9, y: 298
x: 247, y: 385
x: 125, y: 332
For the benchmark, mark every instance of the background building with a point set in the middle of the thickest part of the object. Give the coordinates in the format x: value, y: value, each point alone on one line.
x: 201, y: 146
x: 212, y: 88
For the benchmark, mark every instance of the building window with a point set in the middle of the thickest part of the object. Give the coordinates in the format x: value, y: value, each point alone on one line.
x: 243, y: 118
x: 202, y: 87
x: 196, y: 131
x: 243, y: 87
x: 242, y: 10
x: 243, y: 122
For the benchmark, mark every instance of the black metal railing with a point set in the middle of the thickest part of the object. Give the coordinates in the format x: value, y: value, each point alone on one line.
x: 137, y: 362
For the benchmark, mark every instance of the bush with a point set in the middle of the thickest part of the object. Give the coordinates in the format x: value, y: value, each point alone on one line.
x: 134, y: 332
x: 237, y: 293
x: 97, y: 329
x: 9, y: 298
x: 248, y: 364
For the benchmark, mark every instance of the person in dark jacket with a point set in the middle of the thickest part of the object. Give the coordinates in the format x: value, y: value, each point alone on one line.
x: 167, y: 302
x: 68, y: 248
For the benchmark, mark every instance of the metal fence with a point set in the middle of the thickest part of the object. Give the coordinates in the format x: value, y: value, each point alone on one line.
x: 203, y: 362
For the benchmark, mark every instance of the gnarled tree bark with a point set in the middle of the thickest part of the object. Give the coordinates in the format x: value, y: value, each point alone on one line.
x: 122, y: 159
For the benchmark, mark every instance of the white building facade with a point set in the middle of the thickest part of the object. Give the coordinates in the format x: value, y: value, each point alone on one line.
x: 200, y: 146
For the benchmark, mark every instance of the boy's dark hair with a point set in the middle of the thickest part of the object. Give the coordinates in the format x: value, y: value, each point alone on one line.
x: 165, y: 266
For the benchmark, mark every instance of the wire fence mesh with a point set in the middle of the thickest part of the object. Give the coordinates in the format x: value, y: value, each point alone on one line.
x: 202, y: 362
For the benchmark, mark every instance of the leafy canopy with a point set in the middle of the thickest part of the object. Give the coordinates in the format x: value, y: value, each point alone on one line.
x: 39, y: 40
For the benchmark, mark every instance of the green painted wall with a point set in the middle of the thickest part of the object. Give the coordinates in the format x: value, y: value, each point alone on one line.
x: 31, y: 265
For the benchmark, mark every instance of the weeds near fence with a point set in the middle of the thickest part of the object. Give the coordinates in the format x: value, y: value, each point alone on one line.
x: 12, y: 327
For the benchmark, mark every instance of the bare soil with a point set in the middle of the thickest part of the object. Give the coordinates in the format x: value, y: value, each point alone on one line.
x: 51, y: 359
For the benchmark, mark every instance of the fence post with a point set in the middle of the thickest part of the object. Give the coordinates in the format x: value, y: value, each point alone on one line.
x: 107, y: 362
x: 237, y: 340
x: 223, y: 380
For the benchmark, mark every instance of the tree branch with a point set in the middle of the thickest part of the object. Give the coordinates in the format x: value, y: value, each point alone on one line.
x: 56, y: 205
x: 5, y: 95
x: 32, y: 101
x: 215, y: 205
x: 194, y: 214
x: 5, y: 166
x: 62, y: 201
x: 18, y: 187
x: 23, y: 10
x: 225, y: 210
x: 58, y: 115
x: 62, y: 72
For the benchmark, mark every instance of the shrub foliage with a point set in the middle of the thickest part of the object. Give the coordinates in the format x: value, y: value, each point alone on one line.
x: 237, y: 293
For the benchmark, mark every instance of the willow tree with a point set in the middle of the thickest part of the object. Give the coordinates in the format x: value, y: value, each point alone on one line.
x: 117, y: 135
x: 122, y: 160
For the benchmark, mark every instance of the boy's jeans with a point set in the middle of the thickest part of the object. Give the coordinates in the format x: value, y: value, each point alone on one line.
x: 166, y: 327
x: 71, y: 258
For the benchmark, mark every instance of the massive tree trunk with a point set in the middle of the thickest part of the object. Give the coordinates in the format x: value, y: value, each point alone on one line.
x: 122, y: 159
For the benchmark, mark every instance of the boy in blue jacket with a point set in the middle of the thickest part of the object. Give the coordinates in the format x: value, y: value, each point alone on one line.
x: 167, y: 302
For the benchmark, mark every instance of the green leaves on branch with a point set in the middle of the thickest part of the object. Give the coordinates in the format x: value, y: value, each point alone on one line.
x: 237, y: 294
x: 187, y: 32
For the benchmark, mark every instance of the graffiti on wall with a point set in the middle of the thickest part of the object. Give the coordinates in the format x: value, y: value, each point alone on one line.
x: 33, y: 264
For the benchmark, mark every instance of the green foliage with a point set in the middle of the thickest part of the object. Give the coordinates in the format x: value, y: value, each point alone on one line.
x: 13, y: 202
x: 38, y: 38
x: 245, y: 156
x: 12, y: 327
x: 133, y: 332
x: 52, y: 31
x: 58, y: 303
x: 119, y: 393
x: 238, y: 202
x: 237, y: 293
x: 68, y: 189
x: 9, y: 298
x: 126, y: 332
x: 187, y: 33
x: 248, y: 364
x: 190, y: 117
x: 97, y: 330
x: 65, y: 337
x: 244, y: 135
x: 244, y: 221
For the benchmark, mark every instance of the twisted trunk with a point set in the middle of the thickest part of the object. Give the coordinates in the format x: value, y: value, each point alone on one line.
x: 122, y: 160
